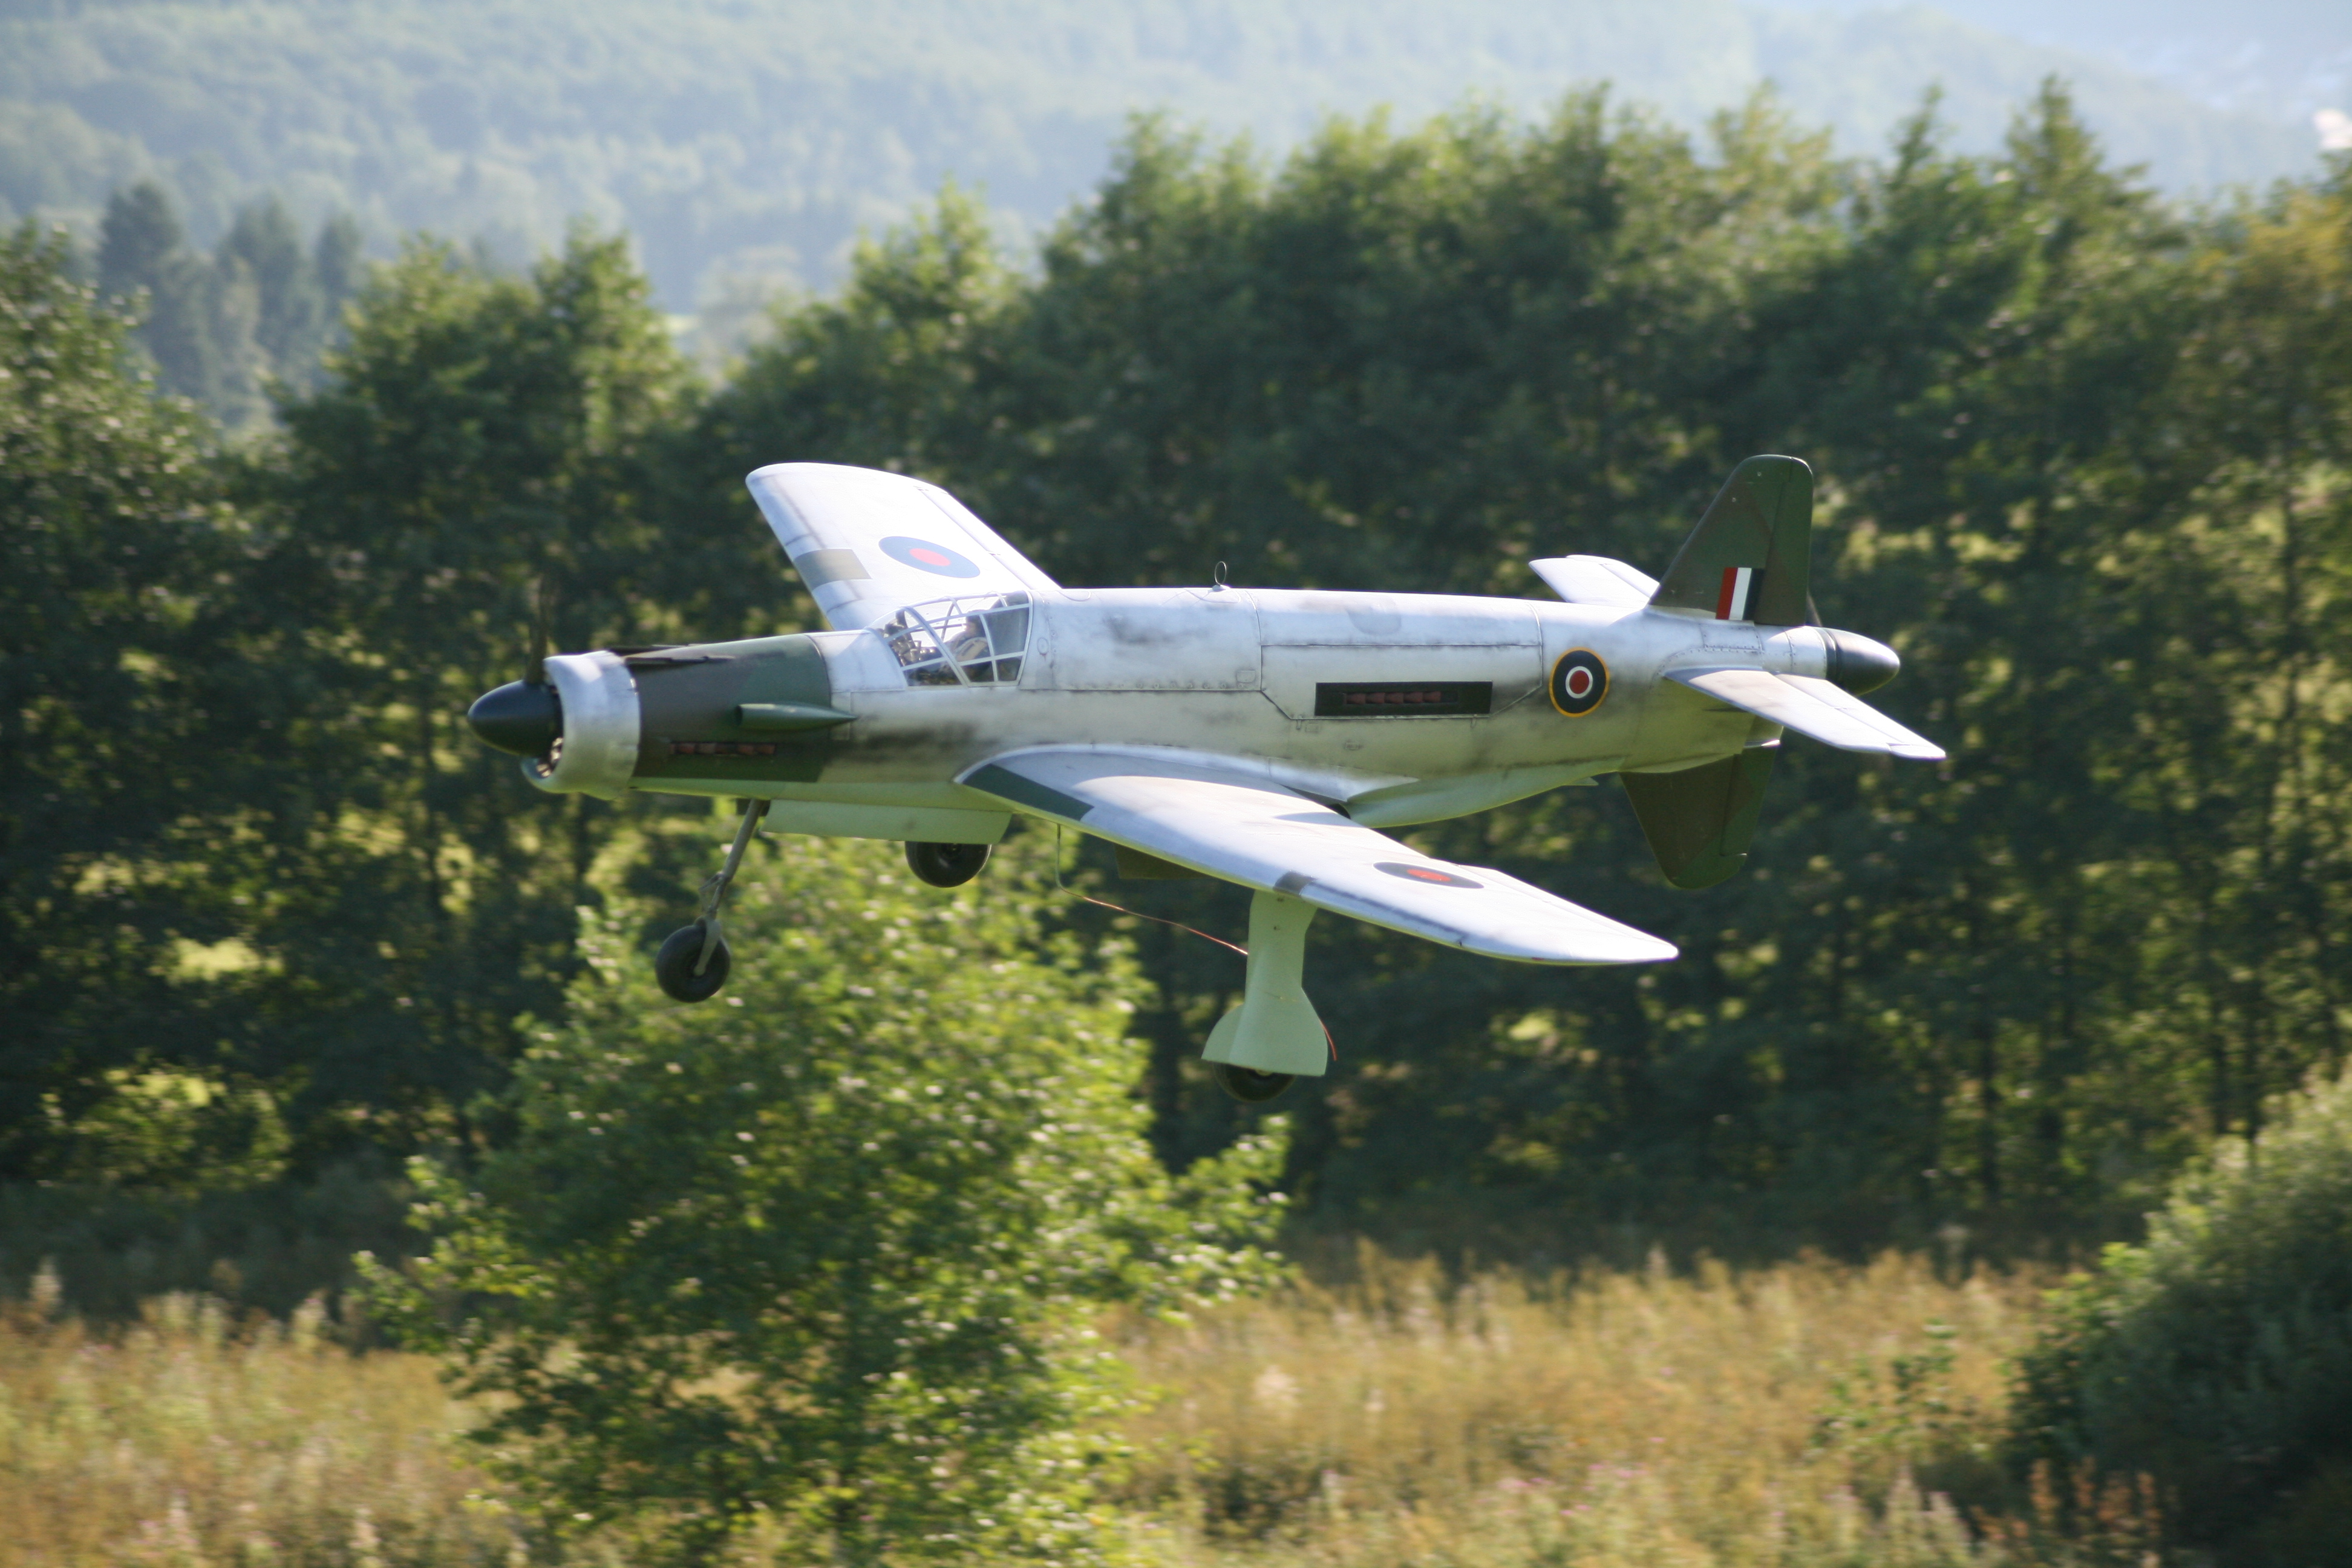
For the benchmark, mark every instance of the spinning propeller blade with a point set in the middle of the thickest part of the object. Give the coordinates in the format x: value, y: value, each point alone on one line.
x: 523, y: 717
x: 542, y: 610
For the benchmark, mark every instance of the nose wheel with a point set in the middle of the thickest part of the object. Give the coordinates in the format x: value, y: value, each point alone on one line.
x: 693, y: 962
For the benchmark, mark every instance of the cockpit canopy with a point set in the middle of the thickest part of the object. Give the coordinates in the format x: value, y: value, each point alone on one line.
x: 960, y: 642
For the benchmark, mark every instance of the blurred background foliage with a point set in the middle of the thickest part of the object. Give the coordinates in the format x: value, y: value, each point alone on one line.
x: 269, y: 915
x: 221, y: 328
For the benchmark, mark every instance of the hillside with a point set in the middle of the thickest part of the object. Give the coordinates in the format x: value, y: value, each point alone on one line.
x: 757, y: 141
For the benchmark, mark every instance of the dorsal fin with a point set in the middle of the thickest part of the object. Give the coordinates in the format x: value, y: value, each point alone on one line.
x: 1750, y: 557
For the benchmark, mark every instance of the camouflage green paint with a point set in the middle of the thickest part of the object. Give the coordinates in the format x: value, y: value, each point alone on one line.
x: 1699, y: 822
x: 699, y: 702
x: 1761, y: 519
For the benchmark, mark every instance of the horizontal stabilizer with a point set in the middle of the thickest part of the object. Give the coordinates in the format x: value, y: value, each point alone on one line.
x: 1595, y: 580
x: 1810, y: 707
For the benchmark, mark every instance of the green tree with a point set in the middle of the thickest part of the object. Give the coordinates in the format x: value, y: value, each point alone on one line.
x: 143, y: 251
x: 222, y: 328
x: 2243, y: 528
x: 821, y: 1268
x: 1953, y: 940
x: 117, y: 704
x: 475, y: 458
x: 2216, y: 1357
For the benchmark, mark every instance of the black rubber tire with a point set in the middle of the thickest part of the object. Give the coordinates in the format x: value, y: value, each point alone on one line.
x: 1248, y: 1085
x: 945, y: 865
x: 674, y: 965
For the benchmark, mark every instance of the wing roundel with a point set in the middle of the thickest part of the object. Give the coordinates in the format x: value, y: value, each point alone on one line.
x: 869, y: 543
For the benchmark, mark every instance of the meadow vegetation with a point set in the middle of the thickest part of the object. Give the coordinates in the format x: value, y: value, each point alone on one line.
x: 193, y: 1434
x: 1807, y: 1414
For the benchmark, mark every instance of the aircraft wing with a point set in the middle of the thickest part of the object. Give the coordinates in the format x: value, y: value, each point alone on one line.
x: 1813, y: 706
x: 869, y: 543
x: 1262, y: 836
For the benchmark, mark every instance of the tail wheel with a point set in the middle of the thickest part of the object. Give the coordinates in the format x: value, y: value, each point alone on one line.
x: 945, y: 865
x: 674, y: 966
x: 1248, y: 1085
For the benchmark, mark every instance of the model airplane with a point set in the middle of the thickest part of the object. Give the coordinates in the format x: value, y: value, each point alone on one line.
x: 1260, y: 736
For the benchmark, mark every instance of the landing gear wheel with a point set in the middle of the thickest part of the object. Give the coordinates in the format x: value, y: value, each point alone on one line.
x: 674, y: 965
x: 945, y: 865
x: 1248, y: 1085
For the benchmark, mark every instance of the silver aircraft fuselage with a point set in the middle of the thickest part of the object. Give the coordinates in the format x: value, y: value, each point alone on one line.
x: 1453, y: 710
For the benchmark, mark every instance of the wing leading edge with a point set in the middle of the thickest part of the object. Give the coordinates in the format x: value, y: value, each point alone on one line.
x: 869, y: 543
x: 1267, y: 837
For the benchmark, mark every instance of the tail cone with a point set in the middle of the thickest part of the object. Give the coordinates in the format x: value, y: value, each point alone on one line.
x: 1859, y: 664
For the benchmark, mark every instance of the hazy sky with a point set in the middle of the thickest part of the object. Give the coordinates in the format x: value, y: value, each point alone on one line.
x: 2288, y: 59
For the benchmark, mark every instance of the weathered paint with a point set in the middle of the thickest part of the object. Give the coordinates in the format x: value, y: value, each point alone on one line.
x: 1229, y: 673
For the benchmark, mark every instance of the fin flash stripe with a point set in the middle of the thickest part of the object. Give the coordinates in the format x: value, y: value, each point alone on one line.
x: 1731, y: 605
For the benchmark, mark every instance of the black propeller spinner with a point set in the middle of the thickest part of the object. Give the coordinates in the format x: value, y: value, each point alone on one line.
x: 524, y: 717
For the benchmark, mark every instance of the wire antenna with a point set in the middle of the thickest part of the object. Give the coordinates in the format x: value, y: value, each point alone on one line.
x: 1138, y: 914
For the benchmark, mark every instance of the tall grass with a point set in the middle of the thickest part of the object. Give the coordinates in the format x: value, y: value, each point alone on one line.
x: 188, y: 1440
x: 1806, y: 1415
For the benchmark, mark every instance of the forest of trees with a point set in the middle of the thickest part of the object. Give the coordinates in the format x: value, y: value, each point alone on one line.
x: 268, y: 916
x: 220, y: 328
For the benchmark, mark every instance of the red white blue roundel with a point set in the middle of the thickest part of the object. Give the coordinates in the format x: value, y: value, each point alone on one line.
x: 1430, y: 875
x: 1578, y: 681
x: 925, y: 556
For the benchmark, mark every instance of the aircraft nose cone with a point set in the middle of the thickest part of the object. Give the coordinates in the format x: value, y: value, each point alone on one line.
x: 521, y: 717
x: 1860, y: 664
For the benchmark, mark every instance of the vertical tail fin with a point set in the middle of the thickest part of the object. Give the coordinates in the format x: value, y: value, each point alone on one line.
x: 1750, y: 557
x: 1700, y: 822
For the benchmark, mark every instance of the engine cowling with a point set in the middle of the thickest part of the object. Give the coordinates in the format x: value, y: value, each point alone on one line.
x: 576, y: 732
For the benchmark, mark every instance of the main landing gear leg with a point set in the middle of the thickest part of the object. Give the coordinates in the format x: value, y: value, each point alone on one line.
x: 693, y: 963
x: 1275, y: 1036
